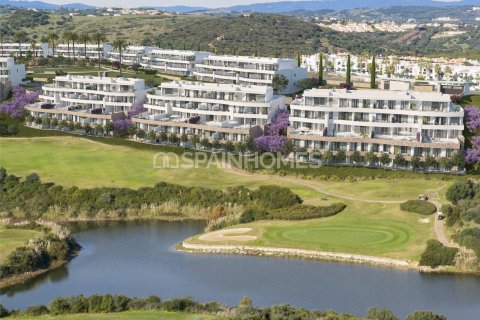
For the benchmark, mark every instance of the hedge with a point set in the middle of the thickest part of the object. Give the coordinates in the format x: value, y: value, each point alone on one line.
x: 418, y: 206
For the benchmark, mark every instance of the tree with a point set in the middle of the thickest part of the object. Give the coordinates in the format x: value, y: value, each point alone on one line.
x: 141, y: 134
x: 241, y: 147
x: 299, y: 60
x: 216, y: 144
x: 425, y: 315
x: 20, y: 37
x: 429, y: 162
x: 229, y: 146
x: 73, y: 38
x: 99, y: 38
x: 184, y: 138
x: 380, y: 314
x: 250, y: 144
x: 77, y: 126
x: 33, y: 47
x: 109, y: 127
x: 99, y: 129
x: 132, y: 130
x: 328, y: 156
x: 151, y: 135
x: 53, y: 37
x: 172, y: 138
x: 348, y: 78
x: 320, y: 69
x: 194, y: 140
x: 460, y: 190
x: 288, y: 147
x: 416, y: 163
x: 54, y: 122
x: 87, y: 128
x: 445, y: 163
x: 371, y: 158
x: 84, y: 38
x: 120, y: 44
x: 438, y: 70
x: 373, y: 74
x: 12, y: 129
x: 356, y: 157
x: 3, y: 311
x: 163, y: 136
x: 279, y: 83
x: 245, y: 302
x: 385, y: 159
x: 458, y: 159
x: 66, y: 37
x: 205, y: 143
x: 341, y: 156
x: 399, y: 160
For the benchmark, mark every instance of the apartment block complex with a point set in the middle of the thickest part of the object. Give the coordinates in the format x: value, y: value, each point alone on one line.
x: 176, y: 62
x: 132, y: 55
x: 210, y: 110
x: 88, y: 99
x: 393, y: 122
x: 11, y: 73
x: 250, y: 70
x: 92, y: 50
x: 14, y: 49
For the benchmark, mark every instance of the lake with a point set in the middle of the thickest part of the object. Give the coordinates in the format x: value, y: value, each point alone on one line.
x: 139, y: 259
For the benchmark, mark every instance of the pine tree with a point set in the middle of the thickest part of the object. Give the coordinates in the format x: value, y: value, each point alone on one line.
x: 320, y: 70
x: 348, y: 79
x: 373, y: 74
x: 299, y: 60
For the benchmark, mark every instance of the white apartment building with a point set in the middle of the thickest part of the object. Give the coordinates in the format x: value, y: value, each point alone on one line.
x: 176, y: 62
x: 210, y: 110
x: 13, y: 49
x: 132, y: 55
x: 66, y: 51
x: 250, y: 70
x: 11, y: 74
x: 381, y: 121
x: 88, y: 99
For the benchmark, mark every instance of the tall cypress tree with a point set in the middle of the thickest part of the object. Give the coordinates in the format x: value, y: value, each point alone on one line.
x: 348, y: 79
x: 299, y: 60
x: 320, y: 69
x: 373, y: 74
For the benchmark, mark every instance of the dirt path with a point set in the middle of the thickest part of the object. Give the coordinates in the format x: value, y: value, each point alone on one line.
x: 439, y: 224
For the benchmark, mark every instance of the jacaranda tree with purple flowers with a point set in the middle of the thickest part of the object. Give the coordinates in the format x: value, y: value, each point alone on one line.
x: 121, y: 126
x: 275, y: 135
x: 472, y: 118
x: 15, y: 108
x: 136, y: 109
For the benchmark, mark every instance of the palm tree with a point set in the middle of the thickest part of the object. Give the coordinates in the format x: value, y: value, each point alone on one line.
x: 98, y: 38
x: 66, y: 37
x: 19, y: 38
x: 84, y: 38
x: 120, y: 44
x: 33, y: 47
x: 73, y: 37
x: 53, y: 37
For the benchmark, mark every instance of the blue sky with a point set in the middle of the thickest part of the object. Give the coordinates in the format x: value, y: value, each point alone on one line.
x: 161, y: 3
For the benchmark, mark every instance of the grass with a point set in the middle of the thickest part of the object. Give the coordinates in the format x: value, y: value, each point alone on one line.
x: 380, y: 229
x: 137, y: 315
x: 10, y: 239
x: 470, y: 101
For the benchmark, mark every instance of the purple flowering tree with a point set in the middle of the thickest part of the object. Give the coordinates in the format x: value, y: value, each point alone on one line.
x: 275, y: 135
x: 15, y: 108
x: 136, y: 109
x: 121, y: 126
x: 472, y: 117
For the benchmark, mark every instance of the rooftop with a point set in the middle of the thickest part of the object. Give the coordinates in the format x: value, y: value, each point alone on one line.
x: 378, y: 94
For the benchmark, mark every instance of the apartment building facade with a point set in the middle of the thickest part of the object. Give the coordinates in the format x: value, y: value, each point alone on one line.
x: 88, y: 99
x: 10, y: 73
x: 210, y: 110
x: 392, y: 122
x: 132, y: 55
x: 176, y: 62
x: 13, y: 49
x: 256, y: 71
x: 92, y: 50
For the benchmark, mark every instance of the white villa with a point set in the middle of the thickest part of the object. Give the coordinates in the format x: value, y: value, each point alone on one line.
x: 393, y: 122
x: 11, y: 74
x: 132, y: 55
x: 13, y: 49
x: 210, y: 110
x: 176, y: 62
x: 250, y: 70
x: 64, y: 50
x: 88, y: 99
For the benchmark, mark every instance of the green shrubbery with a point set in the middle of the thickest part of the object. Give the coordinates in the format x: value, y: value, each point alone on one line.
x: 470, y: 238
x: 436, y: 254
x: 418, y: 206
x: 461, y: 190
x: 425, y: 315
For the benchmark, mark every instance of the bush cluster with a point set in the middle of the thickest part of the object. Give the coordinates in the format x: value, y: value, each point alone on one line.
x: 418, y: 206
x: 436, y: 254
x: 296, y: 212
x: 470, y: 238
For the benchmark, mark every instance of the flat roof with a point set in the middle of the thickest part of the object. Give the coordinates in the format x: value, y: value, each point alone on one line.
x: 378, y: 94
x: 216, y: 86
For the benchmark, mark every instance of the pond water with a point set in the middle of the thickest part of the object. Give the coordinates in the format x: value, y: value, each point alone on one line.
x: 139, y: 259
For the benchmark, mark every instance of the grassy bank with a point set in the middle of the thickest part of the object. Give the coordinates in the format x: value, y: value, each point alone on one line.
x: 10, y: 239
x: 364, y: 227
x: 137, y: 315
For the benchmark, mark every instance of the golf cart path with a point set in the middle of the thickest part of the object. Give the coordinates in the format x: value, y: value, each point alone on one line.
x: 439, y: 224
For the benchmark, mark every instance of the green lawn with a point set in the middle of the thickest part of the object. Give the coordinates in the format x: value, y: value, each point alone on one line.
x: 471, y: 101
x: 137, y: 315
x: 365, y: 228
x: 14, y: 238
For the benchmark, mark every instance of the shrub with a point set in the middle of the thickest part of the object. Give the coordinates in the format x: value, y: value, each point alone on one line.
x: 380, y: 313
x: 460, y: 190
x: 418, y: 206
x: 425, y: 315
x: 175, y: 305
x: 436, y: 254
x: 470, y: 238
x: 36, y: 310
x: 3, y: 311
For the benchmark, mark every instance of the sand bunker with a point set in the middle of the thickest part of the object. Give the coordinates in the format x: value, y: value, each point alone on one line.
x: 228, y: 235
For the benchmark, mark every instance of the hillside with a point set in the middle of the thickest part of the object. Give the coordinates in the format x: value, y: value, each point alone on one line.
x: 267, y: 34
